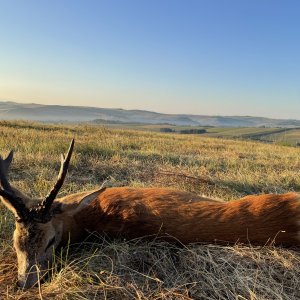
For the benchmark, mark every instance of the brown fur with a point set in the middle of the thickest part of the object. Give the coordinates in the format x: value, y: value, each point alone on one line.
x: 132, y: 213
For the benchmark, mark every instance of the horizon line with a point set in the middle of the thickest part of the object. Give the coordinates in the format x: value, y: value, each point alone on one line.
x: 119, y: 108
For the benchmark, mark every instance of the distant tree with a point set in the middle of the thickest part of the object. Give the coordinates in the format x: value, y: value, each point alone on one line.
x: 166, y: 129
x: 192, y: 131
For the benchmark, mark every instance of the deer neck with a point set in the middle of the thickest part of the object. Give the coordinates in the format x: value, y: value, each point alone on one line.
x: 67, y: 216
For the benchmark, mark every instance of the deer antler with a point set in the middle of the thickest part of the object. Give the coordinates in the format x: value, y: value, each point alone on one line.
x: 8, y: 193
x: 47, y: 202
x: 17, y: 203
x: 40, y: 213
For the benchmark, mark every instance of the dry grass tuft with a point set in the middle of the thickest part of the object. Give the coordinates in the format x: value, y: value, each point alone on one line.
x: 143, y: 269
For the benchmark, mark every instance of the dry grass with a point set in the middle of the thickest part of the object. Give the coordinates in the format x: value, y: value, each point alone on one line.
x: 141, y: 269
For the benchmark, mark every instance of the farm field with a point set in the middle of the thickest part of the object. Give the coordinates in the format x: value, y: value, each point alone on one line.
x: 283, y: 136
x: 290, y: 137
x: 118, y: 269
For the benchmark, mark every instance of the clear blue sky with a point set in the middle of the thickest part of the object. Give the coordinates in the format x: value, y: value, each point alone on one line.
x: 228, y: 57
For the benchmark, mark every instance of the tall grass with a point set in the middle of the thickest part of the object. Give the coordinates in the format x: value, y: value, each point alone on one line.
x: 142, y: 269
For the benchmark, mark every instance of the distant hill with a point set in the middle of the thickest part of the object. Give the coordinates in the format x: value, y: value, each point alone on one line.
x: 57, y: 113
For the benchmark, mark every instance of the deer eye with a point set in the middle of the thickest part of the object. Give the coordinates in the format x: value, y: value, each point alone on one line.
x: 51, y: 242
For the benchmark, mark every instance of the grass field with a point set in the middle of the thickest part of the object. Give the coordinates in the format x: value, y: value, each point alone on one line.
x: 281, y: 136
x: 142, y: 269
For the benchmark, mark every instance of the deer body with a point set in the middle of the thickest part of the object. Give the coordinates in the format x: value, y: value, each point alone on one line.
x: 187, y: 218
x: 137, y: 212
x: 118, y: 211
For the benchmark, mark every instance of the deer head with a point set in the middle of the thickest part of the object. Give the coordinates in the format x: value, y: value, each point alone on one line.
x: 35, y: 237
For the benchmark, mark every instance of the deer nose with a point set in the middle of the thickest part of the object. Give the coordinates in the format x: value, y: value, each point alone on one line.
x: 28, y: 281
x: 25, y: 284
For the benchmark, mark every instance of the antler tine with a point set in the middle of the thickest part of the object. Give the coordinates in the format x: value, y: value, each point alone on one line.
x: 46, y: 204
x: 4, y: 163
x: 17, y: 203
x: 7, y: 192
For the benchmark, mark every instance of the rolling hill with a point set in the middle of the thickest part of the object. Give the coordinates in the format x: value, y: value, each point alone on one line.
x: 58, y: 113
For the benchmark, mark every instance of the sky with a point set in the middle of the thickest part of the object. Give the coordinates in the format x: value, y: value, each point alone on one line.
x: 214, y: 57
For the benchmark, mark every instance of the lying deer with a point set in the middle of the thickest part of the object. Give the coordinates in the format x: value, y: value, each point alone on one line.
x: 137, y: 212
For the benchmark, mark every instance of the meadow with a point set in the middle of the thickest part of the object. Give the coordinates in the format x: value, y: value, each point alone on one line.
x: 149, y: 269
x: 276, y: 135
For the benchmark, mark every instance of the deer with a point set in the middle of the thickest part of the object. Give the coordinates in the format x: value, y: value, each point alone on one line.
x: 41, y: 225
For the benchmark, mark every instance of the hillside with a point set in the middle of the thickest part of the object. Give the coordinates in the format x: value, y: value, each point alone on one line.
x: 140, y: 269
x: 277, y: 135
x: 56, y: 113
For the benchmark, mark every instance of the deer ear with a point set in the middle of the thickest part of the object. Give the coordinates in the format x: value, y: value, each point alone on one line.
x: 86, y: 201
x: 9, y: 206
x: 73, y: 204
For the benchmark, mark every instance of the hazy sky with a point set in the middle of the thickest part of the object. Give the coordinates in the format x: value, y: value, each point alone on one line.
x: 228, y: 57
